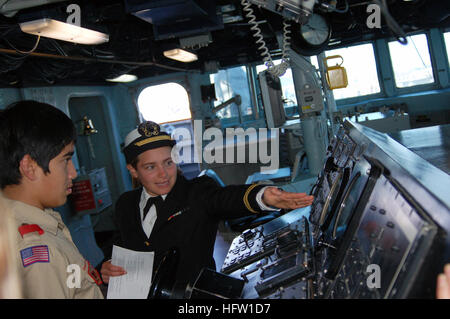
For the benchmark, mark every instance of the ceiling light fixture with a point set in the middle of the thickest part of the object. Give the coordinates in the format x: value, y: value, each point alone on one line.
x: 63, y: 31
x: 180, y: 55
x: 124, y: 78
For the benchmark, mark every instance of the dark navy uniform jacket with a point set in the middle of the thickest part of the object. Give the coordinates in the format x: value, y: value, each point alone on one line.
x: 187, y: 220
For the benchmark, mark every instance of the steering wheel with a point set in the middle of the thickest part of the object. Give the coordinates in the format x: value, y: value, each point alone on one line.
x: 164, y: 279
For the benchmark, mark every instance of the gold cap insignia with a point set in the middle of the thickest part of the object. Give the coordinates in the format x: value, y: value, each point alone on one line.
x: 149, y: 128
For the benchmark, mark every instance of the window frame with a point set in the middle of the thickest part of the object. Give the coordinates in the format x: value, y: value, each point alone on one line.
x: 385, y: 73
x: 446, y: 51
x: 156, y: 83
x: 420, y: 87
x: 226, y: 122
x: 357, y: 99
x: 385, y: 70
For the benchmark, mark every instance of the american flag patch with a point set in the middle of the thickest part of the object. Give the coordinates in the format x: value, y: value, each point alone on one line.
x: 35, y: 254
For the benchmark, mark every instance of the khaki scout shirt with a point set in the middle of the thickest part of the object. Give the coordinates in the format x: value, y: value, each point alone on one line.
x: 50, y: 276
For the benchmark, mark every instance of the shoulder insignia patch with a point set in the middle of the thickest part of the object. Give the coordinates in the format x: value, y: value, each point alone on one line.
x: 35, y: 254
x: 30, y: 228
x: 92, y: 272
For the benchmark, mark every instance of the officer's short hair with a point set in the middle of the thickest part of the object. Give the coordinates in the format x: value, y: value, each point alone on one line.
x: 30, y: 127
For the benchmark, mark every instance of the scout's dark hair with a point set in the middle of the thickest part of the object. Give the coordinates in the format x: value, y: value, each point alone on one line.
x: 34, y: 128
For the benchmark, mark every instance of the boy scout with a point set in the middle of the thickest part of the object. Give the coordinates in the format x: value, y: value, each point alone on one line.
x: 170, y: 211
x: 36, y: 147
x: 9, y: 280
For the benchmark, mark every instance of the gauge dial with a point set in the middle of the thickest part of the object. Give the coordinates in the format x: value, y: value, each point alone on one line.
x: 316, y: 31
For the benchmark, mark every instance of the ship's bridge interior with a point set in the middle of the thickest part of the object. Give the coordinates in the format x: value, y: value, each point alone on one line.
x: 346, y: 100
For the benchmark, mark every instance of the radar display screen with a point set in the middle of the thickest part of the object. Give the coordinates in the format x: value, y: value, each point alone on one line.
x: 347, y: 203
x: 347, y: 206
x: 347, y: 218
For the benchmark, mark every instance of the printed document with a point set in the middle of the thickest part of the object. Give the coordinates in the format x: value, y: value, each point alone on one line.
x: 135, y: 284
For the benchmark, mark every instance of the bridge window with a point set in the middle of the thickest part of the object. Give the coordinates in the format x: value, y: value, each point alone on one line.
x: 229, y: 83
x: 411, y: 63
x: 361, y: 67
x: 164, y: 103
x: 447, y: 45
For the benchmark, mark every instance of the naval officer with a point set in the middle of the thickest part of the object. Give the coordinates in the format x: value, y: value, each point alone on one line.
x: 170, y: 211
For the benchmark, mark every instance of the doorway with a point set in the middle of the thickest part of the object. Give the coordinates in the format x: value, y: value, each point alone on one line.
x: 94, y: 150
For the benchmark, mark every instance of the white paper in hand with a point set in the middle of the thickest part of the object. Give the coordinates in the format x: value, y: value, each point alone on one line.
x: 135, y: 284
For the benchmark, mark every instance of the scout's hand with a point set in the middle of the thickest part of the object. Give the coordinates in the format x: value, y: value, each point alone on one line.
x: 109, y: 270
x: 277, y: 198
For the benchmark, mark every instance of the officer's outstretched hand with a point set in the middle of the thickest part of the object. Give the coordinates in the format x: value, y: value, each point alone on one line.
x: 443, y: 284
x: 109, y: 270
x: 276, y: 197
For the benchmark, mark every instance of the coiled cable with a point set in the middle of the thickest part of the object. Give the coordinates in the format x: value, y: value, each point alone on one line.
x: 284, y: 65
x: 279, y: 69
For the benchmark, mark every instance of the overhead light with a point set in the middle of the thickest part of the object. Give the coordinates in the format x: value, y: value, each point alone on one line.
x: 63, y: 31
x: 180, y: 55
x: 123, y: 78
